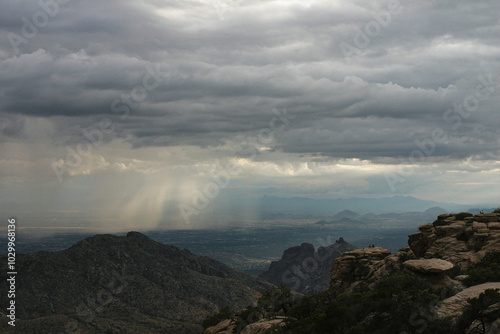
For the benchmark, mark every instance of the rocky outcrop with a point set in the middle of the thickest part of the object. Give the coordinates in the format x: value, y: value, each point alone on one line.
x: 355, y: 269
x: 428, y: 266
x: 455, y: 305
x: 461, y: 239
x: 229, y: 326
x: 263, y: 326
x: 453, y: 242
x: 305, y: 270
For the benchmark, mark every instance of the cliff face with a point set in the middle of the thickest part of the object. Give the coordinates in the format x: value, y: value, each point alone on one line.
x: 305, y: 270
x: 431, y: 292
x: 132, y: 284
x: 452, y: 241
x: 456, y: 238
x: 439, y: 253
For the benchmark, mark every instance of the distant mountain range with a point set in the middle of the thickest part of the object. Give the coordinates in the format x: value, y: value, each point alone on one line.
x: 122, y: 284
x: 348, y: 217
x: 274, y: 206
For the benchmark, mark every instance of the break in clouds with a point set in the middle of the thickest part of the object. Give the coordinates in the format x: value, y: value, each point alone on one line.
x: 121, y: 108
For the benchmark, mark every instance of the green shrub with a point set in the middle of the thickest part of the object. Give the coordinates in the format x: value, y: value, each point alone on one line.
x: 463, y: 215
x: 497, y: 210
x: 387, y: 309
x: 275, y: 300
x: 439, y: 222
x: 453, y: 272
x: 250, y: 315
x: 488, y: 270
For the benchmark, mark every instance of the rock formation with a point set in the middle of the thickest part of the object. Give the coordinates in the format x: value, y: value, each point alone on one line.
x: 454, y: 305
x: 262, y: 326
x: 428, y: 266
x: 305, y: 270
x: 452, y: 244
x: 459, y: 239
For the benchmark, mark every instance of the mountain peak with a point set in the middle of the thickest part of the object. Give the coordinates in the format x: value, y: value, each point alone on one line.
x: 346, y: 214
x: 304, y: 258
x: 134, y: 234
x: 145, y: 280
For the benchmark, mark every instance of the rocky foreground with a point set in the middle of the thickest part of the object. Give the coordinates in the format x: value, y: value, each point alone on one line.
x: 453, y: 241
x: 439, y: 255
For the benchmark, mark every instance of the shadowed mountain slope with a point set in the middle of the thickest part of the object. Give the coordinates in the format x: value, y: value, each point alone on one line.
x: 305, y: 270
x: 130, y: 284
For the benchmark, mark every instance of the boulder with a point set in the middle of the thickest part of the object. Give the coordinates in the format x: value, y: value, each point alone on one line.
x: 428, y: 266
x: 454, y: 306
x: 223, y: 327
x: 263, y: 326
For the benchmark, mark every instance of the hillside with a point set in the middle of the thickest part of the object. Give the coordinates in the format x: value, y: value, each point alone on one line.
x: 130, y: 284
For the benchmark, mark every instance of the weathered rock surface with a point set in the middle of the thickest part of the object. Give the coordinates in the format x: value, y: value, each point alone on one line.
x: 461, y: 238
x: 263, y: 326
x: 428, y: 266
x: 260, y: 327
x: 453, y: 241
x: 455, y: 305
x: 355, y: 269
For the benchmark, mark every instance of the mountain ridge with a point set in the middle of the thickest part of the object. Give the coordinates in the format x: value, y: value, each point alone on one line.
x: 124, y: 284
x: 303, y: 205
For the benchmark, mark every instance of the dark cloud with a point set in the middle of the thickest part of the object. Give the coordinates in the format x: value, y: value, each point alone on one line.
x: 227, y: 70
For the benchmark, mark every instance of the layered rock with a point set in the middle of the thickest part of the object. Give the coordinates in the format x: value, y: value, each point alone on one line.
x: 355, y: 269
x: 453, y: 242
x: 461, y: 238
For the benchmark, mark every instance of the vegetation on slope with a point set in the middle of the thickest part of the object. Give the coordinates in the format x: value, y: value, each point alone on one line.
x: 401, y: 303
x: 488, y: 270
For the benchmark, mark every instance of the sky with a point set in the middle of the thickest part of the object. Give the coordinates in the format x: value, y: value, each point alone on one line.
x: 122, y: 114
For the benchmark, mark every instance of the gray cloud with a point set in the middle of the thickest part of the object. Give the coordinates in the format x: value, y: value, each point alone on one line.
x: 225, y: 76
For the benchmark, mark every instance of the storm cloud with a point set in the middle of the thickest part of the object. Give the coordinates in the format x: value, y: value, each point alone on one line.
x: 173, y: 88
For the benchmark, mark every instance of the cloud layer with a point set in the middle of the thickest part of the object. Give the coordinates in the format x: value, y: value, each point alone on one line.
x: 181, y: 86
